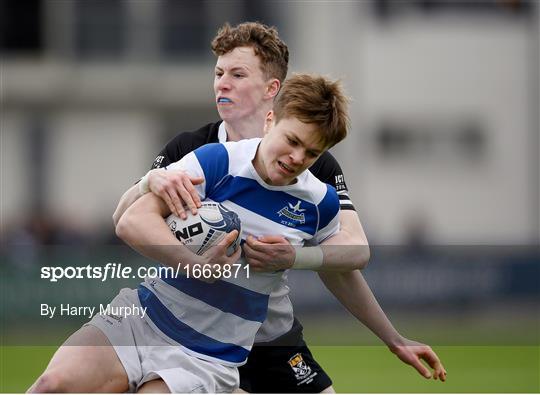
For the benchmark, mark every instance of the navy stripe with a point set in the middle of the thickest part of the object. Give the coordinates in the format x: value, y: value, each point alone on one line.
x: 227, y: 297
x: 214, y: 160
x: 252, y: 196
x: 328, y: 207
x: 185, y: 335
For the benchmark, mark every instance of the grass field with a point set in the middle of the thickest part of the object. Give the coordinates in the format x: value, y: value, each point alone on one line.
x: 470, y: 369
x: 481, y: 355
x: 492, y: 369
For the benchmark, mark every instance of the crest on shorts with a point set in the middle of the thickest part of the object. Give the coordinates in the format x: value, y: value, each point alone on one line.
x: 115, y: 317
x: 299, y: 366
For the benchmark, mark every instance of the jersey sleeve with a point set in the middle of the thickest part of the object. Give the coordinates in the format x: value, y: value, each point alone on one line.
x: 328, y: 170
x: 210, y: 161
x: 173, y: 151
x: 328, y: 215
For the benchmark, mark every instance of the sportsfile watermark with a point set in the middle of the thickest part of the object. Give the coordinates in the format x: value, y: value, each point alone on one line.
x: 113, y: 271
x: 440, y: 295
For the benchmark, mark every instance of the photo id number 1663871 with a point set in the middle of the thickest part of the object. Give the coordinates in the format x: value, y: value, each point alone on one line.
x: 216, y: 271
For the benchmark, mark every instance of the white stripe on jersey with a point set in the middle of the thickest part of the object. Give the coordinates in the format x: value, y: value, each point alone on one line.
x: 202, y: 316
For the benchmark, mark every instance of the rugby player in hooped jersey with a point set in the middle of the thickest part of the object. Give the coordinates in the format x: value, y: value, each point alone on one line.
x: 252, y: 63
x: 257, y: 179
x: 195, y: 334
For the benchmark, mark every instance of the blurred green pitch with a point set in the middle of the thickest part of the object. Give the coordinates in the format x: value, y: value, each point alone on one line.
x: 492, y: 369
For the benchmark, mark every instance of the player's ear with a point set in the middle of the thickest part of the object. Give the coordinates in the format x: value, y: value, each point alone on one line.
x: 272, y: 88
x: 269, y: 121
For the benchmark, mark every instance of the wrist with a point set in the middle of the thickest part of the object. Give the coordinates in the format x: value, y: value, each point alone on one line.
x: 308, y: 258
x: 144, y: 184
x: 200, y: 260
x: 188, y: 260
x: 395, y: 342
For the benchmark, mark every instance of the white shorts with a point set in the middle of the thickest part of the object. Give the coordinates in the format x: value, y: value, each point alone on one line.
x: 146, y: 356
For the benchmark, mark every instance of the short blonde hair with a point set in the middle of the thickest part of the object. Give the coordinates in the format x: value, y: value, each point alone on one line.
x: 264, y: 40
x: 317, y: 100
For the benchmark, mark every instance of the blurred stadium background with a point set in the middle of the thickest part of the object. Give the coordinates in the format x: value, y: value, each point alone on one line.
x: 442, y: 165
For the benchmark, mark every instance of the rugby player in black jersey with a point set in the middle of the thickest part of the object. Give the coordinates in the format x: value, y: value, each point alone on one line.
x: 252, y: 64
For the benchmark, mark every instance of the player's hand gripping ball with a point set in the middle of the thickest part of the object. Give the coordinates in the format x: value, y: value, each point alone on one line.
x: 207, y: 228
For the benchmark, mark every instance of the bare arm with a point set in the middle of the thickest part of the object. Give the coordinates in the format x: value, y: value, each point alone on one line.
x: 348, y: 249
x: 143, y: 228
x: 352, y: 290
x: 175, y: 187
x: 345, y: 250
x: 128, y: 198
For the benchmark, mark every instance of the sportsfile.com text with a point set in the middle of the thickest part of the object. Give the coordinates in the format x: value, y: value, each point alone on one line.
x: 116, y: 271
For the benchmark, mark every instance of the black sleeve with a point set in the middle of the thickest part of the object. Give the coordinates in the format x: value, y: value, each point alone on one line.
x: 328, y: 170
x: 183, y: 143
x: 172, y: 152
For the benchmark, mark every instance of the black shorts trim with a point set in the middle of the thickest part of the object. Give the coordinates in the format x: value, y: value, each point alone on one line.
x: 284, y: 365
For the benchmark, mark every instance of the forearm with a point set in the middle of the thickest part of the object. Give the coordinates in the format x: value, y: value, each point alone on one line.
x: 127, y: 199
x: 147, y: 233
x: 343, y: 258
x: 352, y: 290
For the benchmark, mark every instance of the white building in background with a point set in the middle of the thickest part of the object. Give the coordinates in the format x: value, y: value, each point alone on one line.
x: 444, y: 144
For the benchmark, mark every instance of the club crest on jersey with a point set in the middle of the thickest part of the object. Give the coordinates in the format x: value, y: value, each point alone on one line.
x: 299, y: 366
x: 293, y: 213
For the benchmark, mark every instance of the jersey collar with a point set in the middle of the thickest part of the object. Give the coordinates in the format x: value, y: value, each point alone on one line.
x: 222, y: 133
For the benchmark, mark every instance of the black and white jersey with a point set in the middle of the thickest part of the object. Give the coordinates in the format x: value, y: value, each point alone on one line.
x: 326, y: 168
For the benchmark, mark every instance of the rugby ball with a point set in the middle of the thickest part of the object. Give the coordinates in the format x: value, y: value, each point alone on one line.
x: 207, y: 228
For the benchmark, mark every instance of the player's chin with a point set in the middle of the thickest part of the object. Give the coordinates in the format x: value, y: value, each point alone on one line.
x: 227, y: 114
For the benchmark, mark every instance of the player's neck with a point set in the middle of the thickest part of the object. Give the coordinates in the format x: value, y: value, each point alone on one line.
x: 245, y: 128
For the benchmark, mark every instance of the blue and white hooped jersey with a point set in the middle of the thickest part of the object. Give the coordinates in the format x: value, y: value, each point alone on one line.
x: 218, y: 321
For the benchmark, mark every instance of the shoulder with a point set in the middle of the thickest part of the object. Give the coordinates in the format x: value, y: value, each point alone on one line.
x: 327, y: 161
x: 322, y: 193
x: 325, y: 198
x: 242, y: 145
x: 327, y: 169
x: 185, y: 142
x: 196, y: 138
x: 330, y: 201
x: 211, y: 152
x: 236, y: 150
